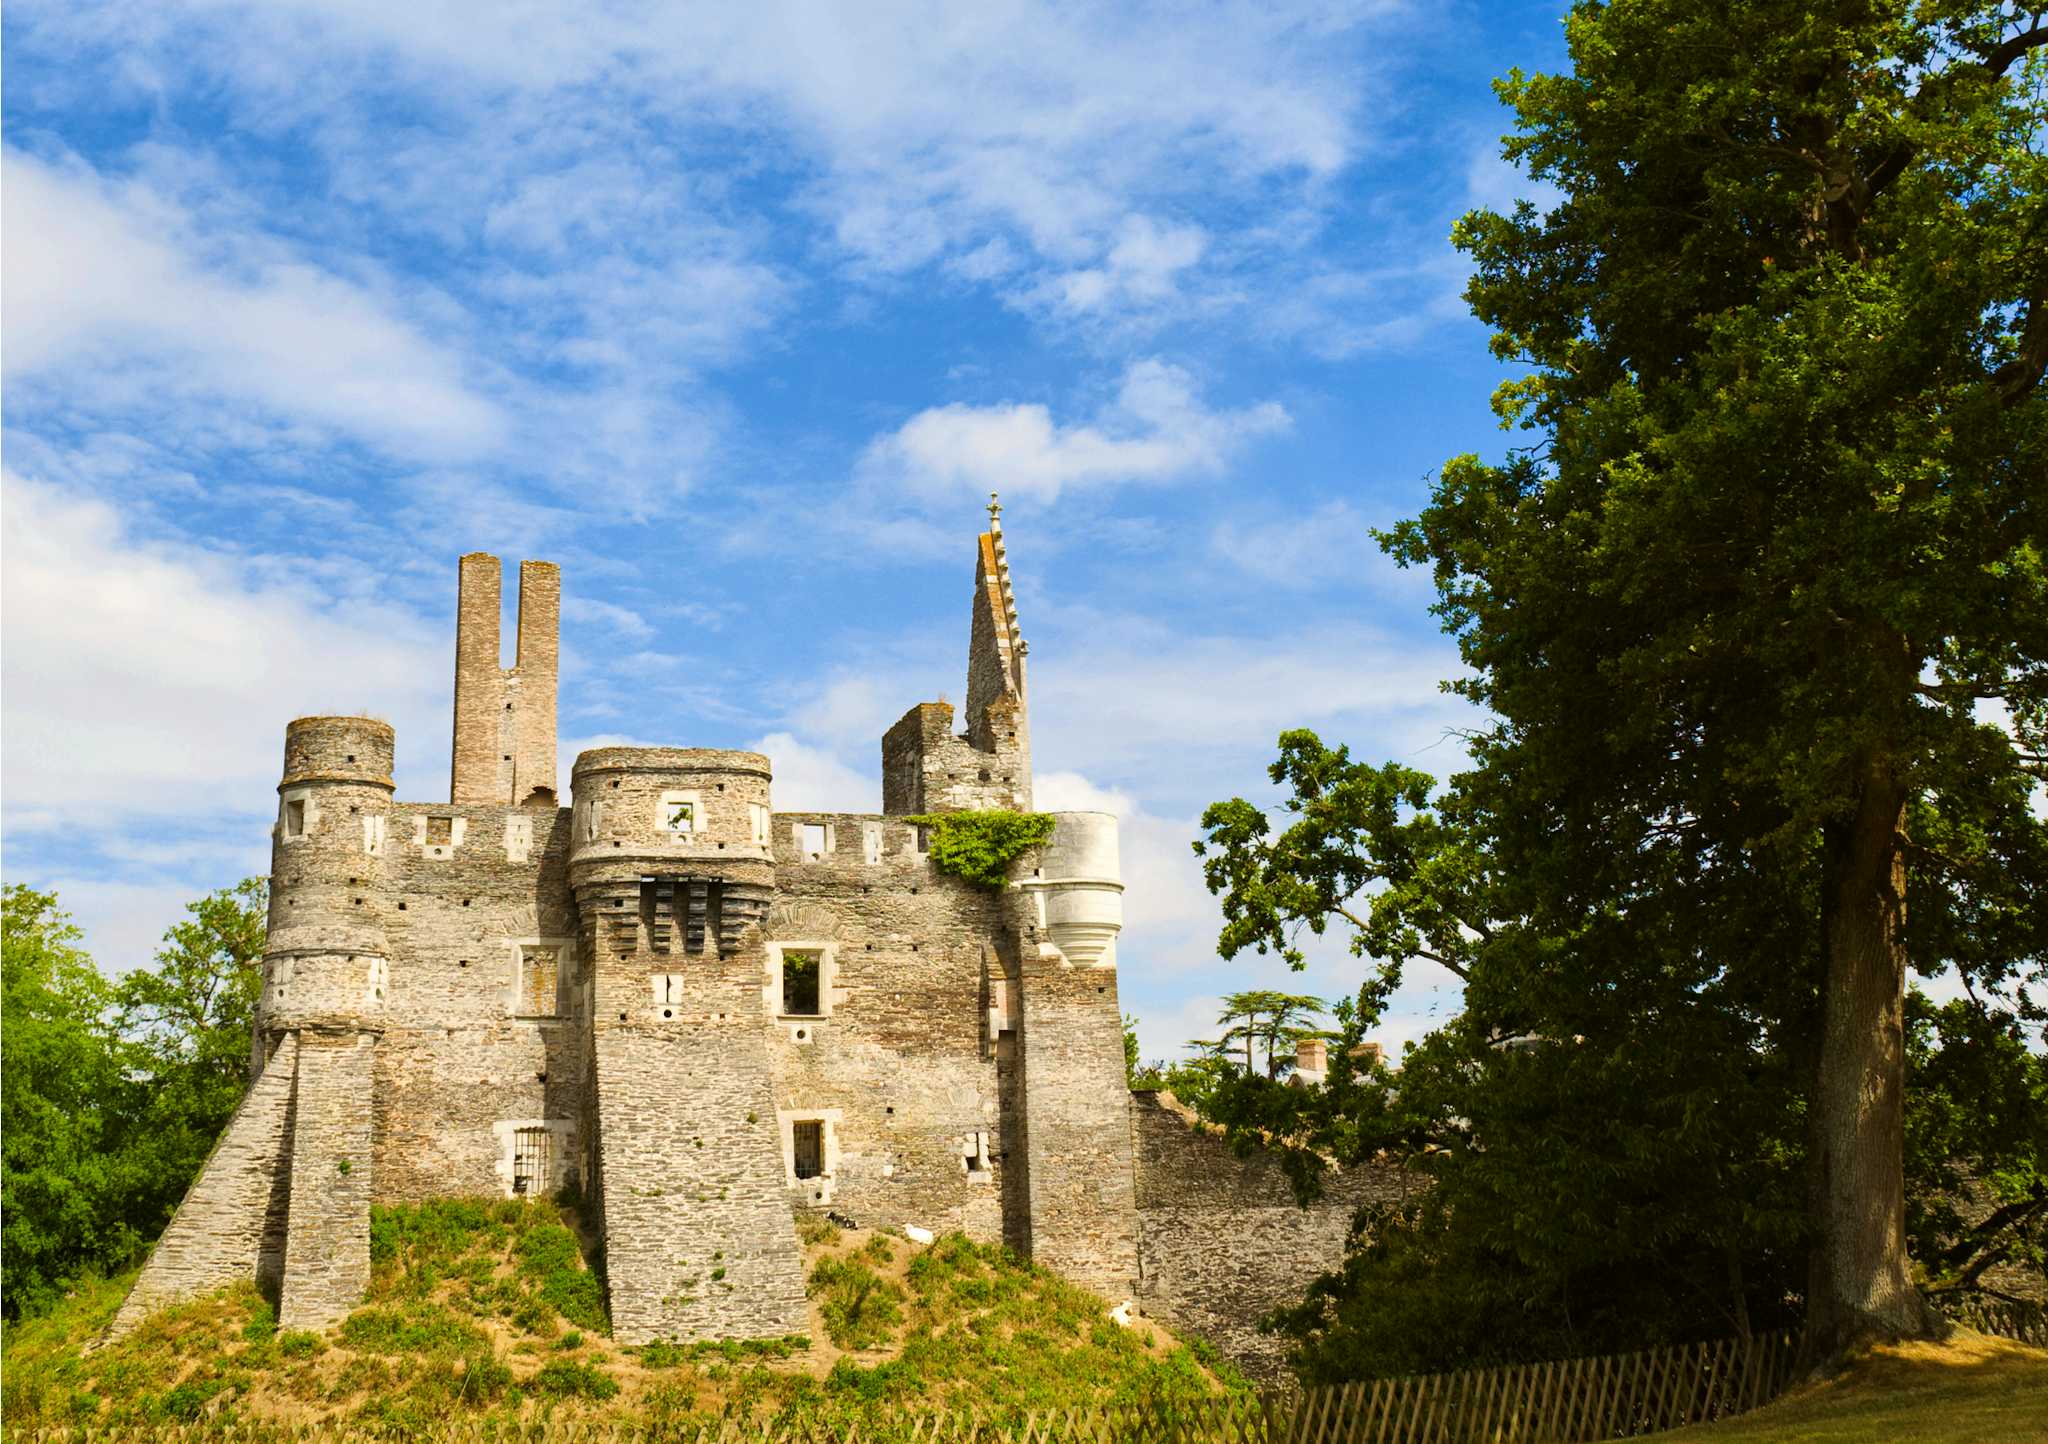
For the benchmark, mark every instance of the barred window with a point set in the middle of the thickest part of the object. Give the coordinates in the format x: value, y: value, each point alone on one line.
x: 530, y: 1161
x: 808, y: 1137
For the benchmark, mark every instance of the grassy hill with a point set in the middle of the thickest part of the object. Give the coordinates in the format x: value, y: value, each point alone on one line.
x: 487, y: 1310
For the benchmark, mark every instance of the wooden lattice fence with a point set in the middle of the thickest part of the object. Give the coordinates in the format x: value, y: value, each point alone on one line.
x: 1557, y: 1403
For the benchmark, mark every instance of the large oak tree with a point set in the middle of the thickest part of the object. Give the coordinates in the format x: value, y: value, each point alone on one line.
x: 1759, y: 615
x: 1780, y: 546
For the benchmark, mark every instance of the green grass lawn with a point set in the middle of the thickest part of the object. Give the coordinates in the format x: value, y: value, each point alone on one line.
x: 1972, y: 1390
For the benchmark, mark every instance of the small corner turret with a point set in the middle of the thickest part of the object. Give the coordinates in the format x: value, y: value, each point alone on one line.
x: 926, y: 766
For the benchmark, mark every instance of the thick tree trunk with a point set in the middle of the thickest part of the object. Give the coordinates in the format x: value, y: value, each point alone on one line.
x: 1859, y: 1289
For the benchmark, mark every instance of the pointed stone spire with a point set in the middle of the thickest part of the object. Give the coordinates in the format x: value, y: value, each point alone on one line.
x: 996, y: 649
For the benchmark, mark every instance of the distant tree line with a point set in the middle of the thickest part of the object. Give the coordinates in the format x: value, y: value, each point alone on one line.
x: 112, y: 1091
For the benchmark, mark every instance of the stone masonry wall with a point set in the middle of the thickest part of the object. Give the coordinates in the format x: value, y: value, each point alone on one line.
x: 1221, y: 1239
x: 218, y: 1235
x: 926, y: 768
x: 1078, y: 1139
x: 463, y: 1054
x: 904, y: 1062
x: 327, y: 1241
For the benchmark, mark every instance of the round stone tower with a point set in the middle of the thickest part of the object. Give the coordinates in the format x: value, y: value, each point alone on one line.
x: 669, y: 858
x: 326, y: 960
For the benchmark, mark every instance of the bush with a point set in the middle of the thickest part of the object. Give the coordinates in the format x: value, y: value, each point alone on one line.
x: 574, y: 1379
x: 860, y: 1306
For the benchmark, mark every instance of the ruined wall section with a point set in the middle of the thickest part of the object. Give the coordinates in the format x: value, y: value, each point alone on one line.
x: 673, y: 875
x: 483, y: 1035
x: 230, y: 1225
x: 504, y: 738
x: 926, y: 768
x: 327, y: 1238
x: 1221, y: 1240
x: 901, y: 1064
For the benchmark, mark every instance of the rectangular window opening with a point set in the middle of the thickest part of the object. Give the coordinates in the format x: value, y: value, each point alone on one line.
x: 809, y: 1140
x: 679, y: 816
x: 295, y: 818
x: 440, y: 831
x: 529, y: 1161
x: 800, y: 979
x: 814, y: 839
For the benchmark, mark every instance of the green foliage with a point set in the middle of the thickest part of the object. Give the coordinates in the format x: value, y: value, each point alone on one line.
x: 980, y: 846
x: 861, y: 1308
x: 1758, y: 631
x: 574, y: 1379
x: 67, y: 1197
x: 113, y: 1094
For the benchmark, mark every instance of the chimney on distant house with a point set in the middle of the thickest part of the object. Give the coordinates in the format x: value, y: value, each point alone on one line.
x: 1312, y: 1055
x: 1369, y: 1055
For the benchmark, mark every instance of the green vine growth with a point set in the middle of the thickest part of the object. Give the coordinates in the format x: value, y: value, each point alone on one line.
x: 980, y: 846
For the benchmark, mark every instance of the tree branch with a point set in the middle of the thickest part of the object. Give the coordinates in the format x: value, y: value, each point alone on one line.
x: 2023, y: 373
x: 1994, y: 65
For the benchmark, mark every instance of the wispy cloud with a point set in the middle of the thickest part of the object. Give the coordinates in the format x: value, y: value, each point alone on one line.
x: 102, y: 277
x: 1156, y: 429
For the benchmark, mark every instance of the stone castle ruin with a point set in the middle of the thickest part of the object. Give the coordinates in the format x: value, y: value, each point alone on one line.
x: 708, y: 1015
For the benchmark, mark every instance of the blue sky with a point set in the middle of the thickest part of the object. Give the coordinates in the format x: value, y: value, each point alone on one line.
x: 738, y: 313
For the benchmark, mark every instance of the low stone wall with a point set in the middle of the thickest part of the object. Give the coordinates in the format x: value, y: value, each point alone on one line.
x: 1221, y: 1241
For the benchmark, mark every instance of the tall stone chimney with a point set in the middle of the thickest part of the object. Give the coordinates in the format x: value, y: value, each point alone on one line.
x: 504, y: 746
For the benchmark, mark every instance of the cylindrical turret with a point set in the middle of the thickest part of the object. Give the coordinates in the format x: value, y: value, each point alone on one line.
x: 669, y: 856
x: 326, y: 959
x: 1080, y: 888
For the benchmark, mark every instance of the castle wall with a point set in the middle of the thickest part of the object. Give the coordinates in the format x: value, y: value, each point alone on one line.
x: 905, y: 1062
x: 465, y: 1052
x: 230, y: 1225
x: 1221, y: 1239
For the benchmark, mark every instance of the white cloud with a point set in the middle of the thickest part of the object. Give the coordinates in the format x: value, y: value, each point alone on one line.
x: 149, y: 684
x: 620, y: 621
x: 1157, y: 429
x: 812, y: 779
x: 1332, y: 544
x: 1024, y: 145
x: 96, y: 272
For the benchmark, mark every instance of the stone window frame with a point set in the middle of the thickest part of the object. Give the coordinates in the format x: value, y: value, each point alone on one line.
x: 761, y: 821
x: 565, y: 950
x: 561, y: 1134
x: 458, y: 829
x: 308, y: 814
x: 676, y: 798
x: 801, y: 1025
x: 828, y: 839
x: 817, y: 1191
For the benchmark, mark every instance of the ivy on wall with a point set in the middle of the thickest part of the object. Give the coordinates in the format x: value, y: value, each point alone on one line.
x: 980, y: 845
